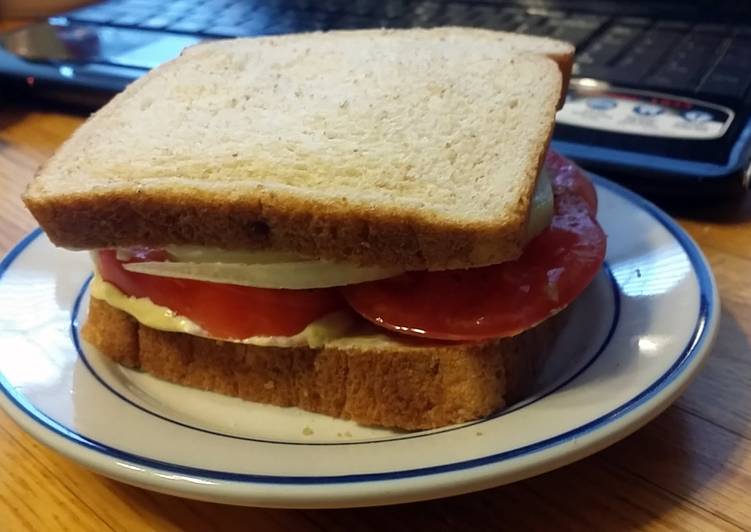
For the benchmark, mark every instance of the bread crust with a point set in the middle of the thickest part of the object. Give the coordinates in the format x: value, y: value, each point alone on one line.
x: 130, y: 206
x: 408, y: 386
x: 133, y: 218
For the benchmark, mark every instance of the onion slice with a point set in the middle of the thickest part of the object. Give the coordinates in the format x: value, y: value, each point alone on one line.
x: 541, y: 210
x: 281, y: 275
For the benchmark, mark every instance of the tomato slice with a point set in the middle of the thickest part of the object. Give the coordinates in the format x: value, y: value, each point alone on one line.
x: 504, y: 299
x: 569, y: 184
x: 222, y: 310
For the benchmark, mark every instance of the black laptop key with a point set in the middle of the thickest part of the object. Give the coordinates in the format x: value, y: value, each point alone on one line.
x: 572, y: 31
x: 737, y: 56
x: 455, y: 13
x: 347, y: 22
x: 732, y: 84
x: 668, y: 80
x: 593, y: 71
x: 648, y: 50
x: 634, y: 65
x: 536, y: 25
x: 717, y: 29
x: 639, y: 22
x: 604, y: 49
x: 576, y: 36
x: 313, y: 21
x: 394, y: 8
x: 542, y: 30
x: 490, y: 18
x: 575, y: 22
x: 675, y: 25
x: 506, y: 22
x: 362, y: 8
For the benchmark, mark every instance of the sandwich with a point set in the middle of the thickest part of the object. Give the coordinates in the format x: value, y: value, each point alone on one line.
x: 364, y: 224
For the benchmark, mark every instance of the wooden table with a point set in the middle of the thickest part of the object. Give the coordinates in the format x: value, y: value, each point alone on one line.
x: 690, y: 469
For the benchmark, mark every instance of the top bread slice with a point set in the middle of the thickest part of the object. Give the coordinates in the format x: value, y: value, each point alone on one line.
x: 411, y: 148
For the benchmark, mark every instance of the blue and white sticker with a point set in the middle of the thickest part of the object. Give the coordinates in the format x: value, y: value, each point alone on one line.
x: 596, y: 105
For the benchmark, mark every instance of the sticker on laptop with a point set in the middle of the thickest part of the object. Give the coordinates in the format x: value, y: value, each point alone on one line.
x: 597, y: 105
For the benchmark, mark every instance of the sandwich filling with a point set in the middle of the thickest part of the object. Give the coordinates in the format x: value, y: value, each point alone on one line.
x: 282, y: 300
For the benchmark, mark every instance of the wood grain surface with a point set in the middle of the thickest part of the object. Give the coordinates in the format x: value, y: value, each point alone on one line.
x: 689, y: 469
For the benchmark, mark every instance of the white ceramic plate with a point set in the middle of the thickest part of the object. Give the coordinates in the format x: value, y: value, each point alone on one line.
x: 635, y: 339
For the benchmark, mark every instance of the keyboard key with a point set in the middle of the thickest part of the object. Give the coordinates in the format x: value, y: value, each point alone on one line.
x: 599, y: 20
x: 97, y: 14
x: 131, y: 19
x: 702, y: 45
x: 621, y: 32
x: 347, y: 22
x: 535, y: 25
x: 572, y: 31
x: 506, y: 22
x: 363, y: 8
x: 188, y: 26
x: 576, y: 36
x: 669, y: 81
x: 176, y: 9
x: 330, y: 6
x: 575, y: 22
x: 260, y: 24
x: 301, y: 5
x: 677, y: 25
x: 640, y: 58
x: 394, y: 8
x: 592, y: 71
x: 226, y: 31
x: 608, y: 46
x: 492, y: 18
x: 456, y: 14
x: 397, y: 23
x: 312, y: 21
x: 712, y: 28
x: 639, y: 22
x: 426, y: 14
x: 737, y: 56
x: 719, y: 83
x: 157, y: 23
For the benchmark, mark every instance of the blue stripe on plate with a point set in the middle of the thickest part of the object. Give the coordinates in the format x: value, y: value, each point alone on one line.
x: 707, y: 308
x: 82, y: 355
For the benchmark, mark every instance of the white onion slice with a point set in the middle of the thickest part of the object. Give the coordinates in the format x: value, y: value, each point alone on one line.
x: 208, y: 254
x: 289, y: 275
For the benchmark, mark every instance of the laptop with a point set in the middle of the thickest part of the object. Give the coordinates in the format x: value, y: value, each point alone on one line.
x: 660, y: 98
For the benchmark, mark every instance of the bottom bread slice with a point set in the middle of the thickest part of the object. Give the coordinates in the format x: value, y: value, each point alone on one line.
x: 374, y: 380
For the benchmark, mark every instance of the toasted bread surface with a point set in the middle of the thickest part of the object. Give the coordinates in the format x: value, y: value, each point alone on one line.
x: 416, y: 148
x: 381, y: 381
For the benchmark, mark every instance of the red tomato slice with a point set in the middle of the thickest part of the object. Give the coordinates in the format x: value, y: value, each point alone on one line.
x: 569, y: 183
x: 222, y: 310
x: 504, y: 299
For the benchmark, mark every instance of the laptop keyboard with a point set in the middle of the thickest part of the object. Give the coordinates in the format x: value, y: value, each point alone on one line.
x: 706, y: 60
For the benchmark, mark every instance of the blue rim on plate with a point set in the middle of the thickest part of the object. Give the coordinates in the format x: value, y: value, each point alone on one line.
x: 707, y: 307
x: 75, y: 335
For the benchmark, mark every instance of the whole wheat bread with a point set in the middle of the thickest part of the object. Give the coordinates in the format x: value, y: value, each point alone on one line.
x: 414, y: 148
x: 382, y: 380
